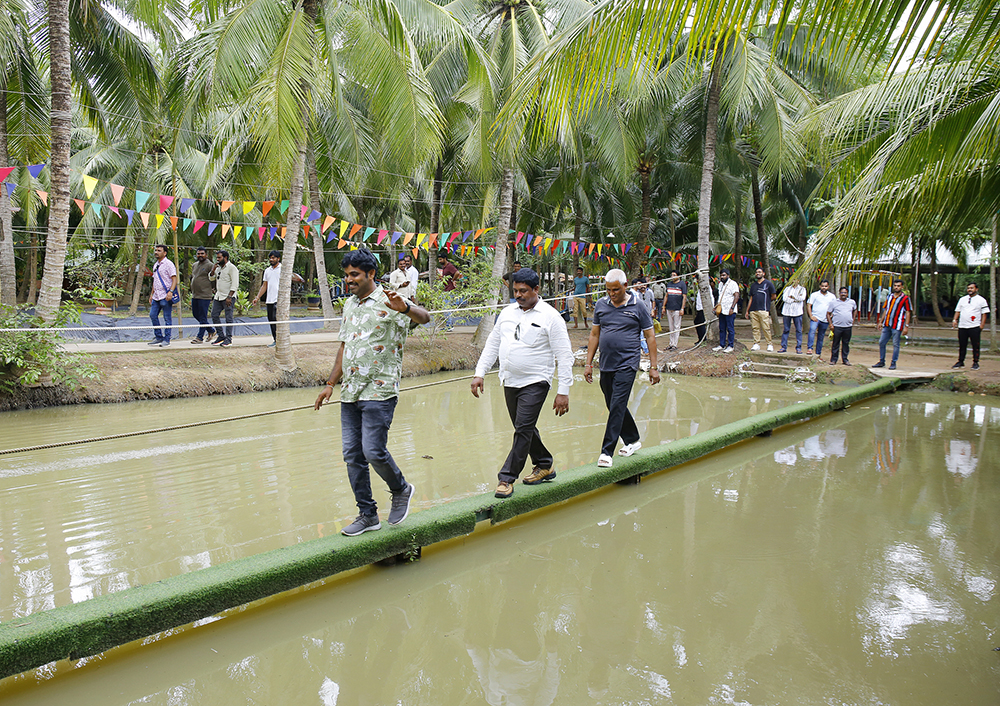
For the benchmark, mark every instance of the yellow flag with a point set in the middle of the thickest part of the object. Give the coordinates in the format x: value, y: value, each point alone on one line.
x: 159, y: 221
x: 248, y: 206
x: 343, y: 229
x: 236, y: 231
x: 89, y: 183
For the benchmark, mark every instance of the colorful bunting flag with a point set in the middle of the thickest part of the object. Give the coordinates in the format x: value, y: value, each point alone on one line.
x: 89, y: 183
x: 248, y: 206
x: 165, y: 202
x: 141, y: 197
x: 35, y: 169
x: 187, y: 203
x: 266, y: 206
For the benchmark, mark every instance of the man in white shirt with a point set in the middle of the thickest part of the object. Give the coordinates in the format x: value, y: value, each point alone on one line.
x: 793, y: 299
x: 816, y: 308
x: 529, y: 338
x: 729, y: 299
x: 269, y: 290
x: 970, y: 318
x: 400, y: 282
x: 412, y: 273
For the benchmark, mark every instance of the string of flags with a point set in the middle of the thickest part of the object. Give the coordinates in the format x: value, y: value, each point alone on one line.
x: 154, y: 209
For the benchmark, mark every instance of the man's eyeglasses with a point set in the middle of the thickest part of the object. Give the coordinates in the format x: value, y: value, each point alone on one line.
x: 517, y: 332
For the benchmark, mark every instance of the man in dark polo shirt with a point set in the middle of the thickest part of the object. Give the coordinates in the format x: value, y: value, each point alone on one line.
x: 621, y: 319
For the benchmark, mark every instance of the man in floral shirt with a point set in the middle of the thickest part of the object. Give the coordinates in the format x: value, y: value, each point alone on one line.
x: 369, y: 363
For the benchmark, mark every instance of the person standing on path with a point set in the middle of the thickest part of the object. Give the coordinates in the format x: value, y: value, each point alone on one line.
x: 581, y: 288
x: 729, y: 299
x: 508, y: 280
x: 816, y: 308
x: 269, y: 290
x: 165, y: 283
x: 450, y: 274
x: 202, y: 293
x: 793, y: 299
x: 530, y: 340
x: 675, y: 304
x: 620, y: 319
x: 400, y: 282
x: 759, y: 311
x: 369, y: 363
x: 659, y: 294
x: 895, y: 323
x: 840, y: 315
x: 227, y: 284
x: 970, y: 318
x: 699, y: 312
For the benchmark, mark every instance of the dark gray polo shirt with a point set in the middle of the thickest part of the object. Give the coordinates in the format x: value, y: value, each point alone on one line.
x: 621, y: 329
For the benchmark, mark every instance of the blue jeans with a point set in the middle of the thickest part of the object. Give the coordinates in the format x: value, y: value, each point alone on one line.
x: 166, y: 306
x: 887, y: 333
x: 817, y: 332
x: 364, y: 431
x: 617, y: 386
x: 727, y: 330
x: 199, y: 310
x: 789, y: 320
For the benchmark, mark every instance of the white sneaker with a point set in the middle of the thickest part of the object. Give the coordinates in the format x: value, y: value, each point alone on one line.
x: 770, y: 348
x: 717, y: 349
x: 629, y: 449
x: 727, y: 349
x: 604, y: 461
x: 755, y: 347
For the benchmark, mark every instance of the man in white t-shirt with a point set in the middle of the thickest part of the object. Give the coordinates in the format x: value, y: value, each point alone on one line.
x: 269, y: 290
x: 970, y: 318
x: 816, y: 308
x: 414, y: 276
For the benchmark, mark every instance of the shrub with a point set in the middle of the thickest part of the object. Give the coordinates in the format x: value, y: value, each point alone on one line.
x: 28, y: 356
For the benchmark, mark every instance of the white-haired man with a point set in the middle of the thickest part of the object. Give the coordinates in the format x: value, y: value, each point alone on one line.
x: 621, y: 320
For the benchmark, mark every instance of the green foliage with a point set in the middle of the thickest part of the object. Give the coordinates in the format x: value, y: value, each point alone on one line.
x: 242, y: 304
x: 475, y: 288
x: 98, y: 279
x: 28, y: 356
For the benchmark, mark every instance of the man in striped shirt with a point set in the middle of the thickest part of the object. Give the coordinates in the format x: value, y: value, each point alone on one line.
x: 895, y: 323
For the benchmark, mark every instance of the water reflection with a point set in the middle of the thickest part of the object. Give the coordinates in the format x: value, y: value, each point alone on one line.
x: 734, y: 579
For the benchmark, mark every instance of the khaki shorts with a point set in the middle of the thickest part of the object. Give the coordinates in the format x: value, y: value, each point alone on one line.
x: 580, y: 307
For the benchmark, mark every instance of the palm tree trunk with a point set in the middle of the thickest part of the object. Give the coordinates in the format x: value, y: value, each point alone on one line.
x: 284, y: 357
x: 8, y: 270
x: 705, y: 197
x: 576, y: 239
x: 636, y: 256
x: 765, y: 259
x: 435, y: 223
x: 935, y: 305
x: 29, y: 285
x: 499, y: 255
x: 319, y: 255
x: 994, y: 346
x: 137, y: 291
x: 738, y: 238
x: 59, y: 196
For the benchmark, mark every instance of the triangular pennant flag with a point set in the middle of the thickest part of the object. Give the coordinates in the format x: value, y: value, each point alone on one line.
x: 304, y: 209
x: 141, y: 197
x: 165, y: 202
x: 305, y: 230
x: 212, y: 227
x: 407, y: 238
x: 343, y: 228
x: 44, y: 196
x: 265, y: 206
x: 5, y: 172
x: 313, y: 215
x: 538, y: 240
x: 368, y: 233
x: 197, y: 225
x: 97, y: 209
x: 416, y: 252
x: 396, y: 235
x: 187, y: 222
x: 129, y: 213
x: 186, y: 204
x: 272, y: 233
x: 81, y: 204
x: 548, y: 242
x: 116, y: 192
x: 236, y: 232
x: 326, y: 223
x: 283, y: 206
x: 145, y: 218
x: 173, y: 222
x: 248, y: 206
x: 465, y: 235
x: 225, y: 230
x: 433, y: 242
x: 420, y: 238
x: 331, y: 235
x: 260, y: 233
x: 478, y: 233
x: 354, y: 229
x: 224, y: 205
x: 517, y: 240
x: 89, y: 183
x: 341, y: 243
x: 35, y: 169
x: 159, y: 220
x: 382, y: 234
x: 115, y: 209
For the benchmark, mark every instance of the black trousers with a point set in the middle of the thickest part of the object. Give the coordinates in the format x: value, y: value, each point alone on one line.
x: 841, y: 342
x: 699, y: 324
x: 524, y: 404
x: 617, y: 386
x: 964, y: 336
x: 272, y: 315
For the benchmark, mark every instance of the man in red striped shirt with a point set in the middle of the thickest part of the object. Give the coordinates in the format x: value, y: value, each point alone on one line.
x: 895, y: 323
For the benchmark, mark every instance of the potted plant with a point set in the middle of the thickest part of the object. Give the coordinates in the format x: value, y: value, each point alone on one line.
x: 99, y: 282
x: 313, y: 300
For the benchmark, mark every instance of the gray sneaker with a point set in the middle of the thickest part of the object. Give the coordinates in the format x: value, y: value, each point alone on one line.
x: 165, y: 344
x: 362, y: 523
x: 400, y: 505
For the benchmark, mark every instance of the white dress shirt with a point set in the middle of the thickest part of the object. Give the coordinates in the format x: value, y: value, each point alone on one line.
x: 794, y: 298
x: 529, y: 344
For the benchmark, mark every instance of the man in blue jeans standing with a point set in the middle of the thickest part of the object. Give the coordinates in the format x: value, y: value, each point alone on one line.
x: 370, y: 361
x: 165, y: 283
x: 816, y: 308
x: 895, y: 323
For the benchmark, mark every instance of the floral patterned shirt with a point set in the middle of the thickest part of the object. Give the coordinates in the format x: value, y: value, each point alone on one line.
x: 373, y: 336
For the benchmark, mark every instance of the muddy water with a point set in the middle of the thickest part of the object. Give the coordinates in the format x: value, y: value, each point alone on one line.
x: 852, y: 559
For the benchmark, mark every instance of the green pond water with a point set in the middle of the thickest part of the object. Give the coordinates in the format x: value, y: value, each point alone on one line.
x: 852, y: 559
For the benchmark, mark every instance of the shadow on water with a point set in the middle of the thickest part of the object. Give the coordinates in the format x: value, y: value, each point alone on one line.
x: 853, y: 559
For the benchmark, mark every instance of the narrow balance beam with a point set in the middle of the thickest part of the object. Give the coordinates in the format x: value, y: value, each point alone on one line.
x: 98, y: 624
